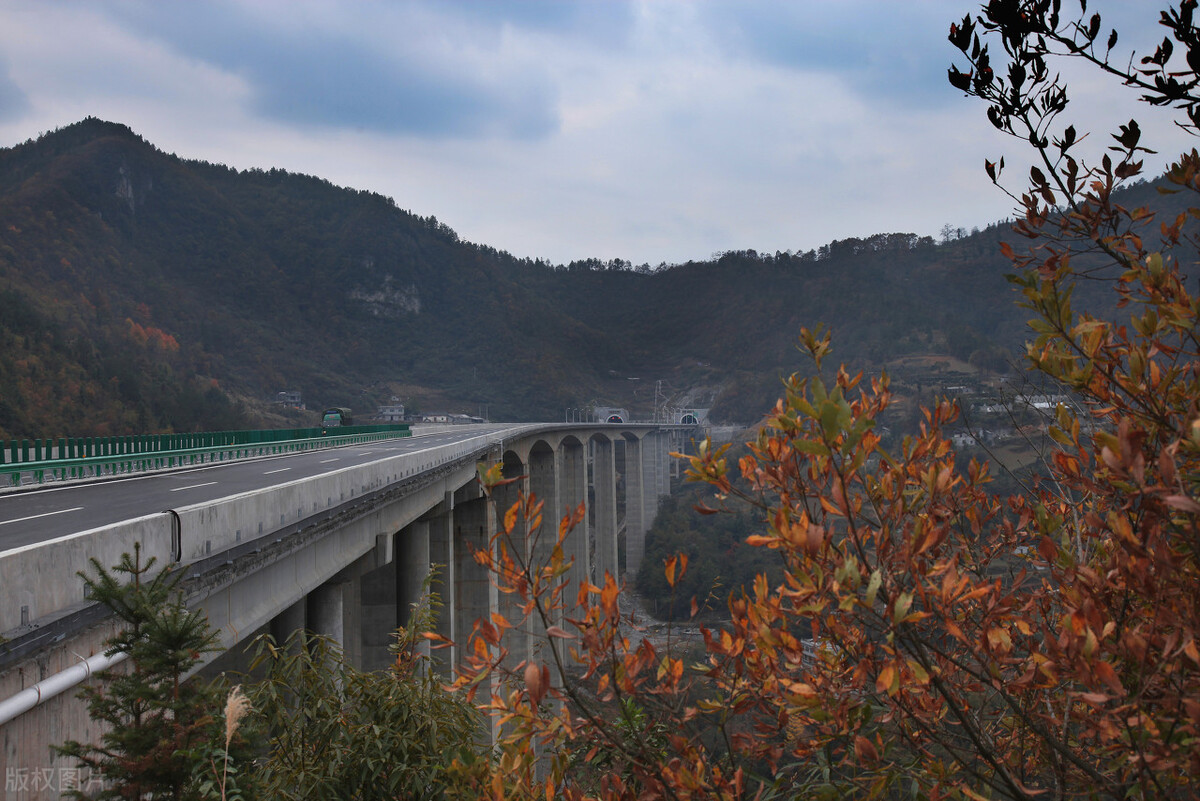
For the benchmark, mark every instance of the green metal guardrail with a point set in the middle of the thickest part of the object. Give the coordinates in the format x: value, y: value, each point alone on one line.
x: 91, y: 457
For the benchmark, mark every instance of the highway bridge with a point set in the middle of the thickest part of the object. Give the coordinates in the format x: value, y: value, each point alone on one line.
x: 335, y: 540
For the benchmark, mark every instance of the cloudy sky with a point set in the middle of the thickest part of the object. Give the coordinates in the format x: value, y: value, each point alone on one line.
x: 653, y: 131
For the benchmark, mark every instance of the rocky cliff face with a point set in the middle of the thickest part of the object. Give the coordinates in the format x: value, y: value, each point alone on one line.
x: 388, y: 300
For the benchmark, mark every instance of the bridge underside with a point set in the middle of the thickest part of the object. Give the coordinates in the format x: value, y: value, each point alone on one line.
x: 388, y: 556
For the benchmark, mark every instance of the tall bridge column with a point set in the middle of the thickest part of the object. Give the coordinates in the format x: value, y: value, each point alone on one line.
x: 474, y: 596
x: 518, y: 544
x: 474, y: 593
x: 664, y: 462
x: 604, y: 483
x: 657, y: 465
x: 441, y: 553
x: 412, y: 568
x: 651, y: 467
x: 389, y: 592
x: 573, y: 483
x: 289, y: 621
x: 635, y: 509
x: 333, y: 612
x: 543, y: 484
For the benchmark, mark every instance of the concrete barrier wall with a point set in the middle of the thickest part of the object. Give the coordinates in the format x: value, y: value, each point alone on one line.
x: 209, y: 528
x: 41, y: 579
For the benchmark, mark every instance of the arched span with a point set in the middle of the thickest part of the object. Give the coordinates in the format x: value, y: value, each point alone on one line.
x: 570, y: 440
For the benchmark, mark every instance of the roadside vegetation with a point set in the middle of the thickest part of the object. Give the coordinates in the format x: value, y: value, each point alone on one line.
x: 304, y: 725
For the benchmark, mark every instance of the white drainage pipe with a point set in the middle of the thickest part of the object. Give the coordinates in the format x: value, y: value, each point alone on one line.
x: 57, y: 684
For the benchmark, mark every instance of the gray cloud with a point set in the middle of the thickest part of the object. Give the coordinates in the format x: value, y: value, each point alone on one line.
x: 600, y: 22
x: 884, y: 59
x: 655, y: 130
x: 381, y: 81
x: 13, y: 102
x: 338, y: 84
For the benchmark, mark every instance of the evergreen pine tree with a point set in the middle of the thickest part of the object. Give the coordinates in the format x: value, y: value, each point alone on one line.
x: 155, y: 720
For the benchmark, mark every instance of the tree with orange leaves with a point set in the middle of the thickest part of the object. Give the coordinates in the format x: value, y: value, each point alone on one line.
x: 929, y: 639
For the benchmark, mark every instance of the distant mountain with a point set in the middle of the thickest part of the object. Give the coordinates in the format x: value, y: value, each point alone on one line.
x: 140, y: 291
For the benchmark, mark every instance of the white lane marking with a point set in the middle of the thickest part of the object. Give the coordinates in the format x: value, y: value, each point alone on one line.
x: 280, y: 470
x: 43, y: 514
x: 327, y: 461
x: 194, y: 486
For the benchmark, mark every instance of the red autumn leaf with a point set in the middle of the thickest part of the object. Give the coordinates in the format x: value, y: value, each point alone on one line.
x: 1104, y: 671
x: 534, y: 683
x: 1182, y: 503
x: 865, y: 750
x: 559, y: 632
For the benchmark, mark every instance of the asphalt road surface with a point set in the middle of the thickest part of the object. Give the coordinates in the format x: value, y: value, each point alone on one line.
x: 51, y: 511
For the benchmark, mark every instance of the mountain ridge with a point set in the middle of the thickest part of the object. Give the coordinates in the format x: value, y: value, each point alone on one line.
x: 166, y: 293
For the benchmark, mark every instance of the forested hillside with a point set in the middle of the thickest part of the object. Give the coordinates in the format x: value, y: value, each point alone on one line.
x: 143, y: 292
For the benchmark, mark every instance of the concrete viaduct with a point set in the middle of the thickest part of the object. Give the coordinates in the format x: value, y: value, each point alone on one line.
x: 342, y: 553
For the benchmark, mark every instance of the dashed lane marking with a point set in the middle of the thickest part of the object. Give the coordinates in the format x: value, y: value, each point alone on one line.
x: 194, y: 486
x: 43, y: 514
